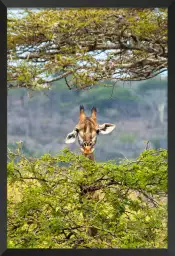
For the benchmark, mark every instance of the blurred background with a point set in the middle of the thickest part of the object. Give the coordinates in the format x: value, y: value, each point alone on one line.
x: 42, y: 119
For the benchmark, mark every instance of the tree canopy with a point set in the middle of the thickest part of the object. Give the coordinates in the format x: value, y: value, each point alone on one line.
x: 86, y: 46
x: 53, y: 200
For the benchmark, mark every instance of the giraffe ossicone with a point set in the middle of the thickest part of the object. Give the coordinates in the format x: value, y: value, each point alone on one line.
x: 87, y: 130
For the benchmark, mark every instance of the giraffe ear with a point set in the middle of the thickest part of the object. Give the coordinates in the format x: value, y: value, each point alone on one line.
x: 71, y: 137
x: 106, y: 128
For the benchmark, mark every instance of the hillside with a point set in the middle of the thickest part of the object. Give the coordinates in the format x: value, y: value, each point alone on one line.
x: 43, y: 119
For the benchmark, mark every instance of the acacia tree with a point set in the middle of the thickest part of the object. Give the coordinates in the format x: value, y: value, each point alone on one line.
x: 50, y: 203
x: 86, y: 46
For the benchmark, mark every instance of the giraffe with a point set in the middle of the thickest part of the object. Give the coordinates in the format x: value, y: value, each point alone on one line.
x: 87, y: 130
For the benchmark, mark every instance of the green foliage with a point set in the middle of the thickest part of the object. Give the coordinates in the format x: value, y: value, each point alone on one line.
x: 53, y: 200
x: 49, y: 43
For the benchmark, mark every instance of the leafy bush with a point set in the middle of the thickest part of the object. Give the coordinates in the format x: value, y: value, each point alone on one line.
x: 54, y: 200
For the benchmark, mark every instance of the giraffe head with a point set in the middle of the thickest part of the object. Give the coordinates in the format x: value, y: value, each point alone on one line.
x: 87, y: 131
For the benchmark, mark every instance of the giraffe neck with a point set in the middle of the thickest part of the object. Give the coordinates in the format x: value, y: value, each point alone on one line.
x: 90, y: 156
x: 92, y: 231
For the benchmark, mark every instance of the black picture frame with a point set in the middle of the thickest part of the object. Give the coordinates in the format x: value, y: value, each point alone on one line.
x: 3, y: 127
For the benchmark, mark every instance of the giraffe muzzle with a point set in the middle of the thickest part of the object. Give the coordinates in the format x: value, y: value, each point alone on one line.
x: 87, y: 150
